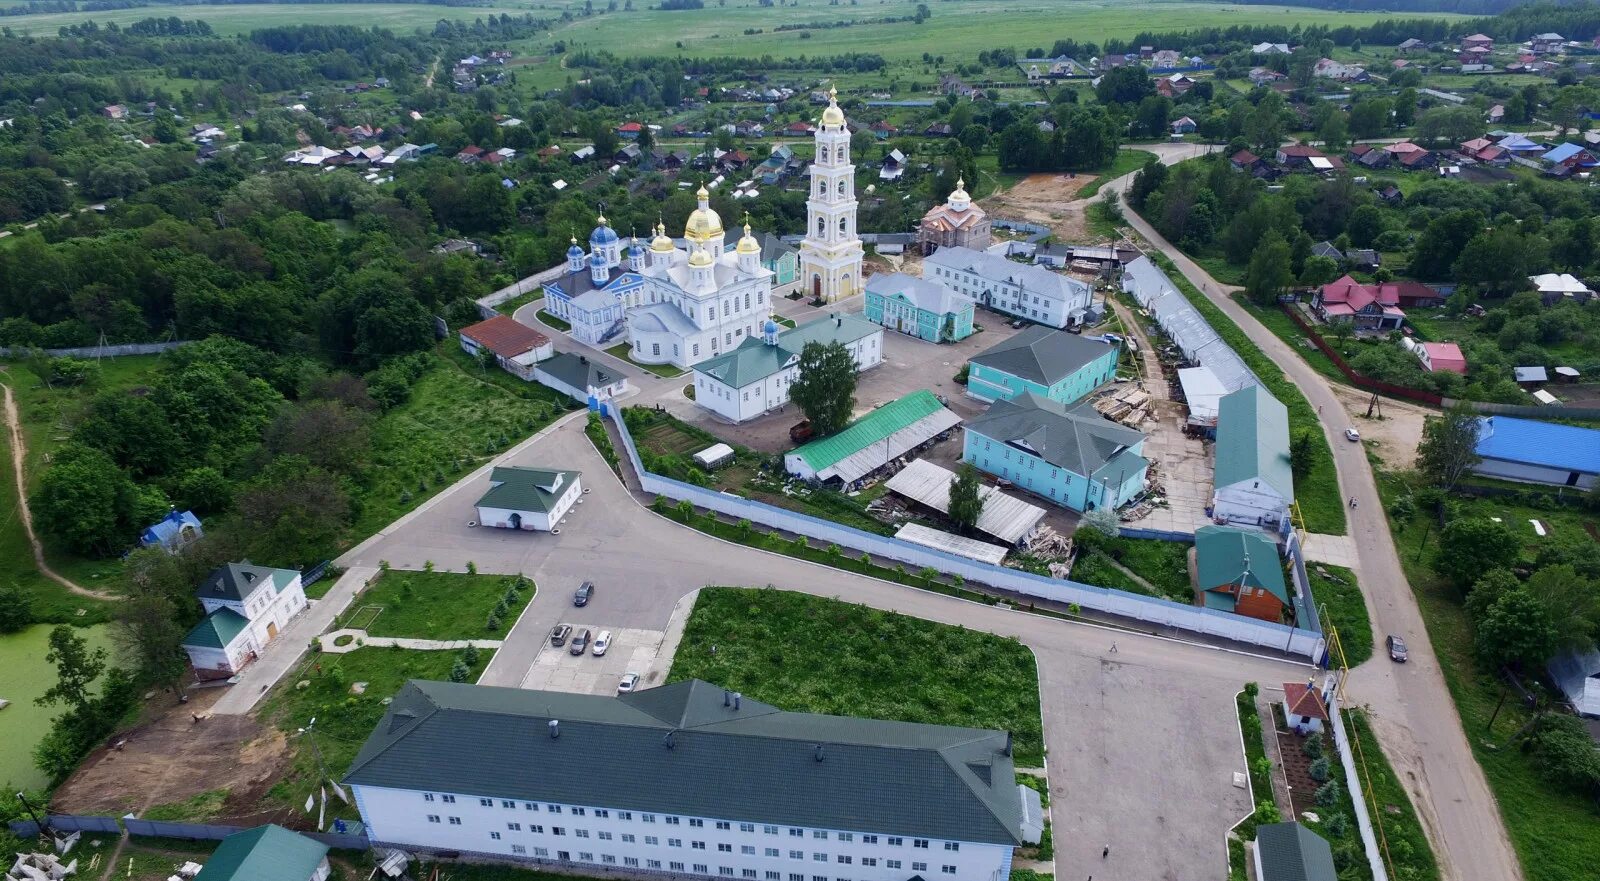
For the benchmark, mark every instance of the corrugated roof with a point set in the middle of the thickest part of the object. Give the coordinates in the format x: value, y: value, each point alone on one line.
x: 754, y: 360
x: 1076, y: 438
x: 1042, y: 355
x: 922, y: 294
x: 516, y: 488
x: 1291, y: 852
x: 1549, y: 444
x: 217, y: 630
x: 1245, y: 557
x: 678, y: 750
x: 1253, y: 441
x: 897, y: 415
x: 265, y: 853
x: 1577, y: 674
x: 1005, y: 517
x: 505, y: 336
x: 1184, y: 325
x: 949, y: 542
x: 578, y: 371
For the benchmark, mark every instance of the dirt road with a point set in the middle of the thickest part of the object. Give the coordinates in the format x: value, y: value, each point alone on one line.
x: 1410, y: 707
x: 19, y: 452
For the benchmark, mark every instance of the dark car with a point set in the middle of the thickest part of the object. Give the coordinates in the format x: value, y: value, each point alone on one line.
x: 580, y: 643
x: 559, y: 633
x: 584, y: 592
x: 1397, y: 649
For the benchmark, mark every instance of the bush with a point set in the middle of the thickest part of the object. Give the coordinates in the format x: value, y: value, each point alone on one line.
x: 1328, y: 794
x: 1313, y: 747
x: 460, y: 672
x: 1319, y: 769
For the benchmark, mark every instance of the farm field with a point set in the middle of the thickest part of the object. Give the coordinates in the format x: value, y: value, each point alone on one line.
x: 241, y: 19
x: 24, y: 675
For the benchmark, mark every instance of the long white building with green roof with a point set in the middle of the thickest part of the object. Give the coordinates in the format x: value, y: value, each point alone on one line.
x: 1253, y: 483
x: 246, y: 607
x: 754, y: 379
x: 688, y: 780
x: 873, y: 441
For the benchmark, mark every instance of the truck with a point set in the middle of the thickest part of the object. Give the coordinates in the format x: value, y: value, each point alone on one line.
x: 801, y: 432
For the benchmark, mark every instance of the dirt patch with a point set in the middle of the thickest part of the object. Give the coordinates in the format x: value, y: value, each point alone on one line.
x: 171, y: 758
x: 1394, y: 437
x: 1046, y: 199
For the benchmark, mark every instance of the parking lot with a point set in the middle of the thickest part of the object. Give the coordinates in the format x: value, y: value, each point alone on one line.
x: 633, y: 650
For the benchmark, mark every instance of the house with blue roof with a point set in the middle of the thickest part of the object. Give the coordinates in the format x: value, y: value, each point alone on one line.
x: 1530, y: 451
x: 1568, y: 156
x: 247, y: 607
x: 173, y: 532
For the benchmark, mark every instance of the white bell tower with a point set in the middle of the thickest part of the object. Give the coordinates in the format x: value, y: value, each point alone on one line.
x: 830, y: 255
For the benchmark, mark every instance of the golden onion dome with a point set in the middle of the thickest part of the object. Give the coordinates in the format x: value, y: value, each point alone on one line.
x: 705, y: 224
x: 700, y: 259
x: 748, y: 244
x: 833, y: 115
x: 661, y: 244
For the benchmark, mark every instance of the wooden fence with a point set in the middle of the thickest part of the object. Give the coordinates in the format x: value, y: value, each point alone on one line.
x: 1357, y: 379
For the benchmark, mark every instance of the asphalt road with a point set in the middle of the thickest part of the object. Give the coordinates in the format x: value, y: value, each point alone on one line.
x: 1411, y: 708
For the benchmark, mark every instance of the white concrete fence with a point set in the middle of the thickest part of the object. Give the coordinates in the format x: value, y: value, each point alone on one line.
x: 1369, y: 838
x: 97, y: 351
x: 1209, y: 622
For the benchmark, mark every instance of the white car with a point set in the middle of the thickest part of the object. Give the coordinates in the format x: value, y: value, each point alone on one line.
x: 629, y: 682
x: 602, y: 643
x: 1350, y: 434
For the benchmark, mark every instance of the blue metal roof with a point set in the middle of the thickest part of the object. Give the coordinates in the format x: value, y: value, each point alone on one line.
x: 1562, y: 152
x: 1550, y: 444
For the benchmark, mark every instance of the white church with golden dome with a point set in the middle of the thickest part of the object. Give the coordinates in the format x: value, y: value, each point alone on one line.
x: 676, y: 305
x: 830, y: 255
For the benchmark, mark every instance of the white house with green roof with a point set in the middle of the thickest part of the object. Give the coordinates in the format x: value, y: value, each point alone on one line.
x: 688, y: 780
x: 873, y: 441
x: 267, y: 853
x: 532, y: 499
x: 246, y: 607
x: 1253, y: 483
x: 754, y: 378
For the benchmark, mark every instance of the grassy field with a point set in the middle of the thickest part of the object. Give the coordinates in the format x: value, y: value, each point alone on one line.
x: 24, y: 675
x: 1165, y: 564
x: 1410, y: 856
x: 1556, y: 834
x: 806, y: 653
x: 1318, y: 495
x: 459, y: 416
x: 1127, y: 162
x: 241, y: 19
x: 437, y: 605
x: 957, y: 31
x: 1340, y: 597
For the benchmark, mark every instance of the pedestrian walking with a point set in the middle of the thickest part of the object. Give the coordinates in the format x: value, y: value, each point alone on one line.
x: 1105, y: 851
x: 1113, y: 648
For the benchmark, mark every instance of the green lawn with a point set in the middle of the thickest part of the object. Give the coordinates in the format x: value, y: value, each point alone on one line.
x: 1556, y: 834
x: 1127, y: 162
x: 812, y: 654
x: 1165, y: 564
x: 1318, y: 495
x: 1339, y: 597
x: 437, y: 605
x: 511, y: 306
x: 1286, y: 330
x: 24, y: 676
x: 560, y: 324
x: 458, y: 417
x: 1255, y: 759
x: 241, y: 19
x: 625, y: 352
x: 1410, y: 856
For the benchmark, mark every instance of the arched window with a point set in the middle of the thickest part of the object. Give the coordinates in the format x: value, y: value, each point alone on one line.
x: 819, y: 226
x: 841, y: 186
x: 842, y: 221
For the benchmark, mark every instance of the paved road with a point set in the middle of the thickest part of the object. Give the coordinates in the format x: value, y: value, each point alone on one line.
x: 1411, y: 709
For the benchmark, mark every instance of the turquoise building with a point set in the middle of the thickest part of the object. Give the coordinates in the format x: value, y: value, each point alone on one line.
x: 919, y: 308
x: 1070, y: 455
x: 782, y: 259
x: 1050, y: 363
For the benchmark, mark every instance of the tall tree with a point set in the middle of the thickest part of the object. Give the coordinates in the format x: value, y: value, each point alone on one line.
x: 1449, y: 446
x: 76, y: 670
x: 1515, y: 630
x: 825, y: 390
x: 1268, y: 275
x: 966, y: 502
x: 148, y: 631
x: 1302, y: 454
x: 1471, y: 546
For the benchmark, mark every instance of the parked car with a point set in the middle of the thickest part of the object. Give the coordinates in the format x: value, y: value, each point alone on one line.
x: 1350, y: 434
x: 580, y: 643
x: 584, y: 592
x: 602, y: 643
x: 629, y: 682
x: 800, y: 432
x: 1397, y: 649
x: 559, y: 634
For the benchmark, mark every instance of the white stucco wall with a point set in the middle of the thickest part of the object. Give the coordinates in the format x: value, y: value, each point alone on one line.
x: 1247, y: 504
x: 534, y: 520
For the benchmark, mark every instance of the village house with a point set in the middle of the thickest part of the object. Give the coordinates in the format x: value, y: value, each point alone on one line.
x: 1437, y: 357
x: 173, y: 532
x: 1264, y: 76
x: 515, y: 346
x: 1554, y: 287
x: 1477, y: 41
x: 1240, y: 571
x: 1270, y: 49
x: 754, y: 378
x: 1291, y: 852
x: 246, y: 607
x: 1367, y: 306
x: 1300, y: 157
x: 1547, y: 44
x: 1411, y: 45
x: 1183, y: 125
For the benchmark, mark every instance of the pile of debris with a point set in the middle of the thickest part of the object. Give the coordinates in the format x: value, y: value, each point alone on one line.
x: 1129, y: 406
x: 40, y: 867
x: 889, y: 509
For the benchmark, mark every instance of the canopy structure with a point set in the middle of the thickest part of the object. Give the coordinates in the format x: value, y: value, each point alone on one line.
x: 1009, y: 519
x: 981, y: 551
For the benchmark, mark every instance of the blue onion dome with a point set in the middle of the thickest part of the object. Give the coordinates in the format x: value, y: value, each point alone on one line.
x: 574, y: 251
x: 603, y: 234
x: 597, y: 258
x: 770, y: 327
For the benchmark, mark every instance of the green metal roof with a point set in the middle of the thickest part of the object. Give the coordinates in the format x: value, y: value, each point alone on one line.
x: 1291, y: 852
x: 235, y: 581
x: 1073, y: 436
x: 682, y: 749
x: 265, y: 853
x: 1253, y: 441
x: 1043, y: 355
x: 1231, y: 555
x: 217, y: 630
x: 515, y: 488
x: 869, y: 429
x: 754, y: 360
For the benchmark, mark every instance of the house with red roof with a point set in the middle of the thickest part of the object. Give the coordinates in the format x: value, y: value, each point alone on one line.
x: 1303, y: 707
x: 1300, y: 156
x: 1369, y: 307
x: 629, y: 130
x: 515, y: 346
x: 1438, y: 357
x: 1477, y: 41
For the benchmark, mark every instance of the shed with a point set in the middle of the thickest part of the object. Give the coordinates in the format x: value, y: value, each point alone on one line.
x: 873, y: 441
x: 1531, y: 451
x: 714, y: 456
x: 516, y: 346
x: 981, y: 551
x: 1546, y: 399
x: 1291, y: 852
x: 1567, y: 374
x: 267, y: 853
x: 528, y: 498
x: 174, y: 532
x: 1005, y: 517
x: 1531, y: 374
x: 1303, y: 707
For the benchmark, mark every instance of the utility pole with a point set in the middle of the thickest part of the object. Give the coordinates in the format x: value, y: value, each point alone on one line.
x: 29, y: 808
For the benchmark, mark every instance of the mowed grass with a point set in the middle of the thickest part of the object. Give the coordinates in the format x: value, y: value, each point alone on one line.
x: 459, y: 416
x: 811, y: 654
x: 438, y: 605
x: 957, y: 31
x: 1339, y: 597
x: 24, y: 676
x: 244, y: 18
x: 1556, y: 834
x: 1127, y: 162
